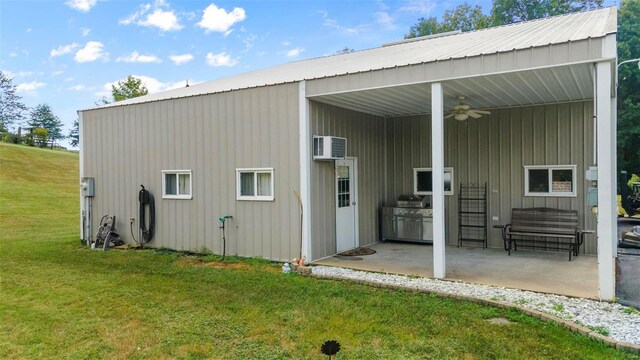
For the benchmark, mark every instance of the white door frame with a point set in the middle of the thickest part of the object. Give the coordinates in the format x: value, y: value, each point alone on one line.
x: 356, y: 199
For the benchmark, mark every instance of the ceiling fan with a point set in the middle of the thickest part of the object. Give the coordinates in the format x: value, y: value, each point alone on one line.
x: 463, y: 111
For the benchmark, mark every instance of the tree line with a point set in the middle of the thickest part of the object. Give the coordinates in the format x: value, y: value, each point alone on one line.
x: 39, y: 126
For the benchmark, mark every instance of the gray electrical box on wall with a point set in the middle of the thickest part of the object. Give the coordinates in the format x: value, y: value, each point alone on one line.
x: 592, y: 196
x: 87, y: 184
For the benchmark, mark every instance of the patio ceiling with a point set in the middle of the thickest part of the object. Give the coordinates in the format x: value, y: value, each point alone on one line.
x: 540, y: 86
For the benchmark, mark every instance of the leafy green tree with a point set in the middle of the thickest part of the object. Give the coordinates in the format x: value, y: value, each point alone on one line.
x: 74, y: 133
x: 510, y: 11
x: 464, y: 17
x: 127, y: 89
x: 11, y: 109
x: 40, y: 135
x: 43, y: 117
x: 345, y: 50
x: 629, y: 87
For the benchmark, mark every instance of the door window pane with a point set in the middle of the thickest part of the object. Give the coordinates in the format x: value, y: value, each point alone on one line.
x: 344, y: 185
x: 246, y: 184
x: 539, y: 180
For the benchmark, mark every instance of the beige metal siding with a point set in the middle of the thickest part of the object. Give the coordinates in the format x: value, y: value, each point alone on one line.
x: 365, y: 140
x: 494, y: 149
x: 210, y: 135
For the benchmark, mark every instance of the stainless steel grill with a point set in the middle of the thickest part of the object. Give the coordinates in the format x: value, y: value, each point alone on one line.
x: 410, y: 220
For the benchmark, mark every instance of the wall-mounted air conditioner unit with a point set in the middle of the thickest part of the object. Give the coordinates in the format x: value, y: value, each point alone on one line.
x: 329, y: 147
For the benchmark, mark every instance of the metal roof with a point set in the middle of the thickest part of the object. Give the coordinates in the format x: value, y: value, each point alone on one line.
x: 523, y: 35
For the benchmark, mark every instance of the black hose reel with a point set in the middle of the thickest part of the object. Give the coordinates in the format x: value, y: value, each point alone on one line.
x: 146, y: 201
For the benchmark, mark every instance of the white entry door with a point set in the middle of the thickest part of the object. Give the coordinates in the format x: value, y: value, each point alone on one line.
x: 346, y: 205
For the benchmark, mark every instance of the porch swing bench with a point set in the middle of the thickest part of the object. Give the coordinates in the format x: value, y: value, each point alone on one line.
x: 544, y: 229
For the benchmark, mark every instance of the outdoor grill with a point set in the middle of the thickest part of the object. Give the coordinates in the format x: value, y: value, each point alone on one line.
x: 410, y: 220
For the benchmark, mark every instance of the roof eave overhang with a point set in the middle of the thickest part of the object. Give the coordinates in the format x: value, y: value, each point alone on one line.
x: 589, y: 50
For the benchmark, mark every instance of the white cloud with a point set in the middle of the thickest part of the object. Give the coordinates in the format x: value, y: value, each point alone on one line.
x: 29, y: 30
x: 355, y: 30
x: 56, y: 73
x: 248, y: 42
x: 181, y: 59
x: 165, y: 20
x: 219, y: 20
x: 285, y: 43
x: 419, y: 7
x: 221, y: 59
x: 92, y: 51
x: 18, y: 74
x: 81, y: 5
x: 63, y: 49
x: 136, y: 57
x: 13, y: 54
x: 152, y: 84
x: 387, y: 21
x: 294, y: 52
x: 30, y: 86
x: 79, y: 87
x: 85, y: 31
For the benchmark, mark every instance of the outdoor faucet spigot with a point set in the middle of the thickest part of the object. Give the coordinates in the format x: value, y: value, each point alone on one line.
x: 224, y: 239
x: 223, y: 219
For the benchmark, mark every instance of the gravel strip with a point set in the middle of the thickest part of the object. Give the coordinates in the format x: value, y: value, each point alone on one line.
x: 618, y: 322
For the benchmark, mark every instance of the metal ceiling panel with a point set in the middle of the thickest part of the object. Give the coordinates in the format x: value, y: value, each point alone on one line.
x: 542, y: 86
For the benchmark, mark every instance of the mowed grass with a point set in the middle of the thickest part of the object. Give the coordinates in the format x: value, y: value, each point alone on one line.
x: 61, y: 300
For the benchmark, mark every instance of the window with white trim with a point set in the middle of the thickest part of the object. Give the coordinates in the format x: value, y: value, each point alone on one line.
x: 176, y: 184
x: 550, y: 180
x: 423, y: 182
x: 254, y: 184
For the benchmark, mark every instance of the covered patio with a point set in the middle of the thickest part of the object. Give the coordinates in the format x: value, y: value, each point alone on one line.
x: 527, y: 270
x: 549, y: 88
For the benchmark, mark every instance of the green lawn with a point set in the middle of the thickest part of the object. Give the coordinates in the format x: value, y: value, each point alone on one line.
x: 61, y: 300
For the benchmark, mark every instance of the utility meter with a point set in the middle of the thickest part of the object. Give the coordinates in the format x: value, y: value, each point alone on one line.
x: 87, y: 184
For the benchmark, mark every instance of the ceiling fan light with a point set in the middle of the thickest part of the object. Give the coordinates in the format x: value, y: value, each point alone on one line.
x: 461, y: 117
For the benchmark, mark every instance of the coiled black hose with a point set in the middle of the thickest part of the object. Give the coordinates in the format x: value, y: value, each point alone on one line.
x: 146, y: 199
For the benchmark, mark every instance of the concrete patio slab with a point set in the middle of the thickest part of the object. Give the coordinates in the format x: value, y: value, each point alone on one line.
x: 541, y: 271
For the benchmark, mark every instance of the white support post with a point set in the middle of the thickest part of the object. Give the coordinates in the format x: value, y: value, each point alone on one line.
x: 437, y: 173
x: 81, y: 170
x: 606, y: 148
x: 305, y: 169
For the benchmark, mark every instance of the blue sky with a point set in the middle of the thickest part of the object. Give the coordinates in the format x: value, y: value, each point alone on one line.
x: 67, y: 53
